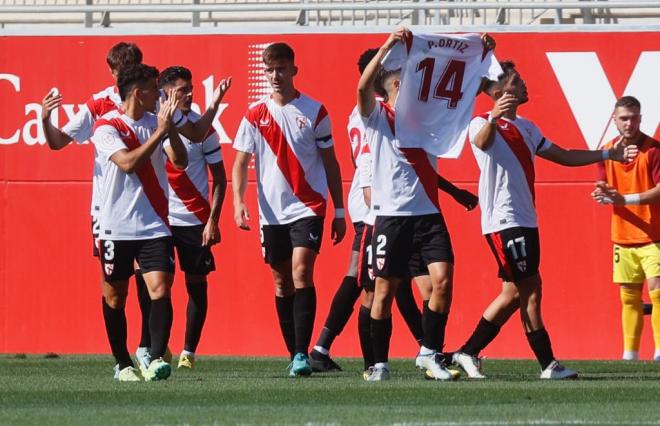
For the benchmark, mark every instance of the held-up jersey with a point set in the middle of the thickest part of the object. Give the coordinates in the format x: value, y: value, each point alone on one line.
x: 291, y: 179
x: 81, y: 128
x: 506, y: 181
x: 189, y: 188
x: 357, y: 208
x: 134, y: 206
x: 404, y: 180
x: 440, y: 77
x: 634, y: 224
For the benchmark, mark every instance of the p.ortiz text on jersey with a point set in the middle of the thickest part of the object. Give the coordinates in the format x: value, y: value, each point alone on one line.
x: 449, y: 44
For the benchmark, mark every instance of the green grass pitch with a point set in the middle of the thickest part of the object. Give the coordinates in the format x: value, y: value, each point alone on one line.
x: 222, y: 390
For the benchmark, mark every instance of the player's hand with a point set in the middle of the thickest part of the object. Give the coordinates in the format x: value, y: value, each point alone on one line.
x: 166, y: 110
x: 400, y: 34
x: 488, y: 41
x: 466, y: 199
x: 50, y: 102
x: 338, y: 230
x: 220, y: 91
x: 241, y: 216
x: 211, y: 234
x: 503, y: 105
x: 623, y: 153
x: 606, y: 194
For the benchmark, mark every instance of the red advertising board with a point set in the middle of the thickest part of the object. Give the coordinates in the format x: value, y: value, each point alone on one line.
x: 49, y: 282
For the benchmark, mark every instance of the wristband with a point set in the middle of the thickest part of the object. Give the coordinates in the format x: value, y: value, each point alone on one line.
x: 491, y: 119
x: 632, y: 199
x: 605, y: 154
x: 339, y: 214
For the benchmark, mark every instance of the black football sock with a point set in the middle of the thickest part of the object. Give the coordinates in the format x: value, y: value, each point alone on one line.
x: 284, y: 306
x: 405, y: 300
x: 145, y: 308
x: 160, y: 324
x: 195, y: 313
x: 304, y: 312
x: 481, y: 337
x: 115, y: 327
x: 364, y: 331
x: 434, y: 324
x: 381, y: 332
x: 340, y: 311
x: 539, y: 341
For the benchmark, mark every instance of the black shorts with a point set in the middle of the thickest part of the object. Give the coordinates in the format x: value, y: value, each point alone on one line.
x: 278, y: 241
x: 118, y: 257
x: 96, y: 231
x: 362, y: 245
x: 194, y: 258
x: 403, y: 246
x: 517, y: 252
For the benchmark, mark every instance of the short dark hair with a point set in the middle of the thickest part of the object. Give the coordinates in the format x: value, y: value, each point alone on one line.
x: 365, y: 58
x: 134, y: 75
x: 509, y: 67
x: 171, y: 74
x: 122, y: 55
x: 383, y: 75
x: 627, y: 102
x: 277, y: 51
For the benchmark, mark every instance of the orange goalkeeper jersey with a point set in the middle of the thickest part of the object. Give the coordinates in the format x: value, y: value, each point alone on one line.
x: 635, y: 224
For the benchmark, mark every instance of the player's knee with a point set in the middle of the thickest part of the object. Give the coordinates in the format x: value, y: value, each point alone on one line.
x: 368, y: 299
x: 196, y: 285
x: 159, y: 291
x: 284, y: 288
x: 511, y: 299
x: 302, y: 274
x: 630, y: 296
x: 116, y: 300
x: 442, y: 285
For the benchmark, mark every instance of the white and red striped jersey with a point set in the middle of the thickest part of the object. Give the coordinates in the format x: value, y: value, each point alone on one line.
x: 286, y: 140
x: 404, y: 180
x: 81, y: 128
x: 357, y: 208
x: 506, y: 181
x: 440, y: 77
x: 134, y: 206
x: 189, y: 188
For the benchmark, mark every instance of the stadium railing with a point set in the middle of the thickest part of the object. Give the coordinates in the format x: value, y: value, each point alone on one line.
x: 107, y: 13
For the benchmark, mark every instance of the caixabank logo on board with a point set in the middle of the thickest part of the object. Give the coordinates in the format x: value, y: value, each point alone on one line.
x: 30, y: 131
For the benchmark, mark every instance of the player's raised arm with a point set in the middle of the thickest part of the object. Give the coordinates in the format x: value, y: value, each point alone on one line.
x: 582, y: 157
x: 175, y: 149
x: 366, y: 93
x: 55, y: 138
x: 129, y: 161
x: 504, y: 104
x: 197, y: 131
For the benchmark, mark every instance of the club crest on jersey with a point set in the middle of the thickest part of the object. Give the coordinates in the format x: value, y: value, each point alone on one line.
x: 109, y: 267
x: 380, y: 263
x: 371, y: 274
x: 522, y: 265
x: 302, y: 121
x: 107, y: 140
